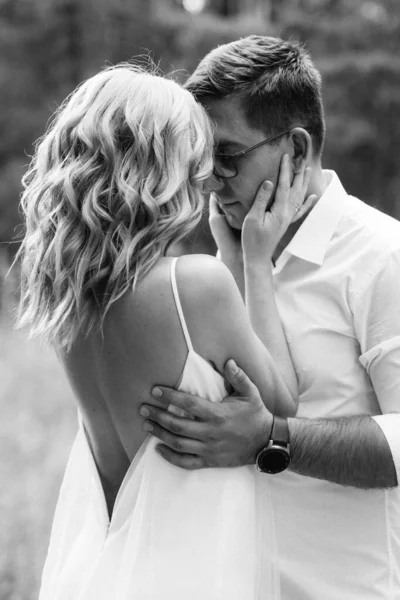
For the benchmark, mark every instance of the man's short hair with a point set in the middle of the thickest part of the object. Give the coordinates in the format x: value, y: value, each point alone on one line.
x: 277, y: 81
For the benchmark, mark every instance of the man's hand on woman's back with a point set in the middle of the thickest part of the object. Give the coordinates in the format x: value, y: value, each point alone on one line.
x: 226, y: 434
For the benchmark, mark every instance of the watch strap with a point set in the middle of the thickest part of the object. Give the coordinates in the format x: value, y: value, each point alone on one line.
x: 280, y: 431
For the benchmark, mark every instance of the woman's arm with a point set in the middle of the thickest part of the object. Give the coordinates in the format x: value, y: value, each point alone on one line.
x: 262, y: 229
x: 265, y: 320
x: 221, y: 329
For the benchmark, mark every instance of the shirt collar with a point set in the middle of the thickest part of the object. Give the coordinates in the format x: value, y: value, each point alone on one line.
x: 311, y: 240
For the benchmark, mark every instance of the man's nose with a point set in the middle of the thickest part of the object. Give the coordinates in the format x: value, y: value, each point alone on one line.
x: 213, y: 183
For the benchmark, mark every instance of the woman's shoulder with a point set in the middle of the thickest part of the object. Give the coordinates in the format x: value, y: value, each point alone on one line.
x: 204, y: 269
x: 212, y: 305
x: 200, y: 278
x: 204, y: 279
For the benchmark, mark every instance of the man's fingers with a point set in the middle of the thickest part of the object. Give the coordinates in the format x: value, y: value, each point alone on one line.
x: 177, y: 443
x: 239, y: 380
x: 194, y: 405
x: 176, y: 425
x: 184, y: 461
x: 261, y: 201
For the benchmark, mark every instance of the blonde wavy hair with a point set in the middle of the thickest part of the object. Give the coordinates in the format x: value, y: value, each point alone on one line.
x: 115, y: 180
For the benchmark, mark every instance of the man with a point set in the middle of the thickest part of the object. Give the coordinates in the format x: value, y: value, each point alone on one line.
x: 336, y: 277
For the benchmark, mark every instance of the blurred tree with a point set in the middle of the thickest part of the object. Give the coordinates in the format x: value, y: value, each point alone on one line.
x: 69, y: 13
x: 275, y: 11
x: 363, y: 127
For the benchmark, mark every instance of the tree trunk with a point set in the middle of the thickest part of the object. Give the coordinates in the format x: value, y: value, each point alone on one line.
x: 226, y: 8
x: 275, y: 10
x: 71, y: 19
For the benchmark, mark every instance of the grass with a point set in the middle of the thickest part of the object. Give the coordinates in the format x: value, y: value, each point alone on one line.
x: 37, y: 427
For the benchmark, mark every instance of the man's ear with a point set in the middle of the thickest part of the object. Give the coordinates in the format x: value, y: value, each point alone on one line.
x: 301, y: 148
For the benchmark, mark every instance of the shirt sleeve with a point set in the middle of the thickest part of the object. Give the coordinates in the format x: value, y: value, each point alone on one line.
x: 377, y: 323
x: 390, y: 426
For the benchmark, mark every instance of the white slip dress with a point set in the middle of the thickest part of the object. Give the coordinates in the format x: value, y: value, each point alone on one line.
x: 174, y: 534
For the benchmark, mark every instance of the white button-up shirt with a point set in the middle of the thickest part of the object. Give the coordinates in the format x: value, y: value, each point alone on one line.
x: 337, y: 286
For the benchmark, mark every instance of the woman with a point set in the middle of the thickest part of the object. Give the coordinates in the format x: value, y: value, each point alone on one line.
x: 115, y: 181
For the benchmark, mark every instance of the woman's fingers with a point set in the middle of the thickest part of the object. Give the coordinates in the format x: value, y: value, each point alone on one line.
x: 283, y: 185
x: 306, y: 180
x: 288, y: 193
x: 213, y: 207
x: 220, y: 229
x: 290, y: 200
x: 300, y: 184
x: 308, y: 203
x: 298, y: 192
x: 261, y: 202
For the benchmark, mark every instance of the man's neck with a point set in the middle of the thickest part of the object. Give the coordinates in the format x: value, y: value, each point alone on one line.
x: 317, y: 186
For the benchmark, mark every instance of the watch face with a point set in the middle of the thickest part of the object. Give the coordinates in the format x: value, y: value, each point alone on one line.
x: 273, y: 460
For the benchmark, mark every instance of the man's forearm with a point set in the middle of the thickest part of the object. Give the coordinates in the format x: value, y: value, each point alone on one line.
x: 350, y: 451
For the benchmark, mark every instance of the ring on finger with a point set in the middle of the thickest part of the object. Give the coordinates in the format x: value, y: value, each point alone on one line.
x: 297, y: 207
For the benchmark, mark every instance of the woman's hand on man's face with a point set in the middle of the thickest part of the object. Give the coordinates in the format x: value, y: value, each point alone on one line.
x: 273, y: 211
x: 227, y: 240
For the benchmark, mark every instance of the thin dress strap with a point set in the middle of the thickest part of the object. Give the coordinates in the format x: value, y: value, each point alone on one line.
x: 179, y: 305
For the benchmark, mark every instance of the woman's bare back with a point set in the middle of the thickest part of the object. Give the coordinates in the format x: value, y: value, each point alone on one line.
x: 142, y: 345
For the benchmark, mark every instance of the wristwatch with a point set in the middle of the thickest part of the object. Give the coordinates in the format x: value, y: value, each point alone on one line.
x: 275, y: 457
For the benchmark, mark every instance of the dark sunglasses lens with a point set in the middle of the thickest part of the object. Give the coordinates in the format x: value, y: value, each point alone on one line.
x: 224, y: 168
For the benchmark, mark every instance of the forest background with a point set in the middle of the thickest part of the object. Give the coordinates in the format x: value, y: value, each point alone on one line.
x: 46, y: 48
